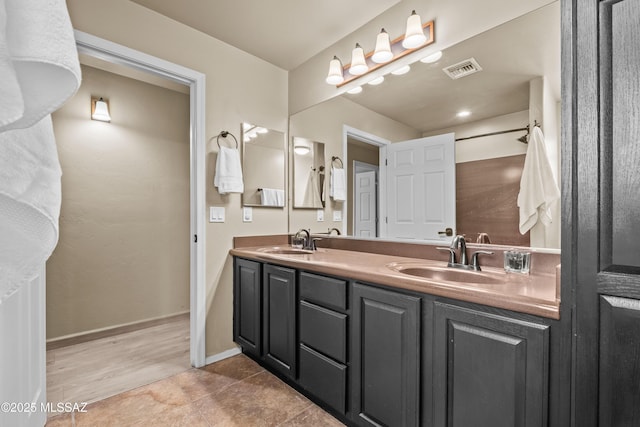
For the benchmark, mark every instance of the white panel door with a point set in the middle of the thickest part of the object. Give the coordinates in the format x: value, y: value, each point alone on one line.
x: 23, y: 356
x: 420, y: 188
x: 365, y: 209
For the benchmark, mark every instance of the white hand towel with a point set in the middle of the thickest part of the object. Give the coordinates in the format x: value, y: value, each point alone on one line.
x: 228, y: 177
x: 338, y: 184
x: 272, y: 197
x: 41, y: 45
x: 30, y: 198
x: 11, y: 102
x: 538, y: 187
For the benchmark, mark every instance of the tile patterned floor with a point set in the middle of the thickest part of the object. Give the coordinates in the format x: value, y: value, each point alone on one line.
x: 232, y: 392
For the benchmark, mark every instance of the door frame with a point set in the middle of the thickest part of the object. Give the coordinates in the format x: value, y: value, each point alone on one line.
x: 111, y: 52
x: 381, y: 143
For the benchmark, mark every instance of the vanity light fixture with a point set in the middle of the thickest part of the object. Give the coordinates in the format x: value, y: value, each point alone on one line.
x: 386, y: 51
x: 358, y: 62
x: 100, y: 110
x: 335, y: 76
x: 414, y: 36
x: 434, y: 57
x: 356, y: 90
x: 383, y: 52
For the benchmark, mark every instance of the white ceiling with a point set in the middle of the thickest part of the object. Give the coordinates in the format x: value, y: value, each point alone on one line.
x: 285, y: 33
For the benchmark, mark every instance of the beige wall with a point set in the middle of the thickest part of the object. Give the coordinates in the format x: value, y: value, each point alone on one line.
x: 325, y: 123
x: 239, y: 87
x: 123, y: 253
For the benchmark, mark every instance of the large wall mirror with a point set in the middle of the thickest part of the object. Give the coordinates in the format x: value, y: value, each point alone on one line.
x: 518, y: 85
x: 308, y: 173
x: 263, y: 164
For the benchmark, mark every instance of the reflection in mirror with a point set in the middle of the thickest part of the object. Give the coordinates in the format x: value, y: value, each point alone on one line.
x: 519, y: 84
x: 308, y: 173
x: 263, y: 163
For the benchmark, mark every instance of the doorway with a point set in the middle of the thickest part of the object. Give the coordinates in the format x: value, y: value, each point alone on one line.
x: 141, y: 62
x: 361, y: 153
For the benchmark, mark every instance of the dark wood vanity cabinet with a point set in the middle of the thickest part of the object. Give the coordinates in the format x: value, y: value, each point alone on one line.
x: 488, y: 369
x: 279, y: 318
x: 247, y: 305
x: 374, y: 355
x: 385, y: 351
x: 322, y: 322
x: 264, y: 318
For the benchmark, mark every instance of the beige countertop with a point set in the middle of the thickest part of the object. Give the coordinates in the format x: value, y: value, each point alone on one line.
x: 536, y: 293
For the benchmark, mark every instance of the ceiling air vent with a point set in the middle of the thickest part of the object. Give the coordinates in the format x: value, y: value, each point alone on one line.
x: 462, y: 69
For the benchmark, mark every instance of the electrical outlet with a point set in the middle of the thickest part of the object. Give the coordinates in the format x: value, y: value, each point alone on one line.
x: 337, y: 216
x: 247, y: 214
x: 216, y: 214
x: 320, y: 215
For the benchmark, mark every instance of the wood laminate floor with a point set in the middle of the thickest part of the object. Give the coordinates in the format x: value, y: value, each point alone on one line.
x: 97, y: 369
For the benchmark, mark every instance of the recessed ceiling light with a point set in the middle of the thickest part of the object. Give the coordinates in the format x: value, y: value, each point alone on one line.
x: 402, y: 70
x: 376, y: 81
x: 464, y: 113
x: 355, y: 90
x: 432, y: 58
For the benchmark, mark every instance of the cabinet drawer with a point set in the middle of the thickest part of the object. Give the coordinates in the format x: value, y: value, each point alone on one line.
x: 323, y: 290
x: 324, y: 378
x: 324, y: 330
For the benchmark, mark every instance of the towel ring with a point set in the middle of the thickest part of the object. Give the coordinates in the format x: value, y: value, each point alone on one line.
x: 334, y: 158
x: 224, y: 134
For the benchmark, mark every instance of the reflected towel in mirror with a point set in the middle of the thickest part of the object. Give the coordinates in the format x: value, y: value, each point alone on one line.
x: 312, y: 192
x: 338, y: 189
x: 272, y: 197
x: 538, y: 187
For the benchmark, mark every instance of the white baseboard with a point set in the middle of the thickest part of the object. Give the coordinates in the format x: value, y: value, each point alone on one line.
x: 221, y: 356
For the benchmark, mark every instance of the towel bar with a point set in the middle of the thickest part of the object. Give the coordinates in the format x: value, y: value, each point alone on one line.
x: 224, y: 134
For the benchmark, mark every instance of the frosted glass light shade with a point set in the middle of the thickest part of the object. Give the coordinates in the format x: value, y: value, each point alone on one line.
x: 376, y: 81
x: 100, y: 110
x: 335, y: 76
x: 383, y: 48
x: 358, y: 63
x: 356, y: 90
x: 414, y: 36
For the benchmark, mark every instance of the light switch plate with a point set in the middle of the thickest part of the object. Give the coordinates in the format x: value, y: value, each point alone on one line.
x: 216, y: 214
x: 247, y: 214
x: 337, y: 216
x: 320, y: 215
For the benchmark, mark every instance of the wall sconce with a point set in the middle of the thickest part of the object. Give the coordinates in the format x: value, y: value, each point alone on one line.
x: 100, y: 109
x: 416, y: 37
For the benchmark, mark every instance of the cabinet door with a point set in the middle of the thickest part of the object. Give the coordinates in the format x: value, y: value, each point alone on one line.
x: 279, y: 319
x: 488, y: 370
x: 385, y: 349
x: 247, y: 305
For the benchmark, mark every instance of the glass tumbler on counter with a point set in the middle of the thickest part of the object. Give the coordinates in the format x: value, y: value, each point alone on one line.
x: 517, y: 262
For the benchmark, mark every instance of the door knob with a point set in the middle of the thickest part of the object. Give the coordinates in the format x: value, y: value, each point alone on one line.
x: 447, y: 232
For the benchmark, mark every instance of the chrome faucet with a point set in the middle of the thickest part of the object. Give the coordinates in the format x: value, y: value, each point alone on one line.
x: 331, y: 230
x: 459, y: 244
x: 309, y: 243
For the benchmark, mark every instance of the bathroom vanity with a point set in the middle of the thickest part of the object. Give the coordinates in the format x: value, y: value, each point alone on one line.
x: 375, y: 344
